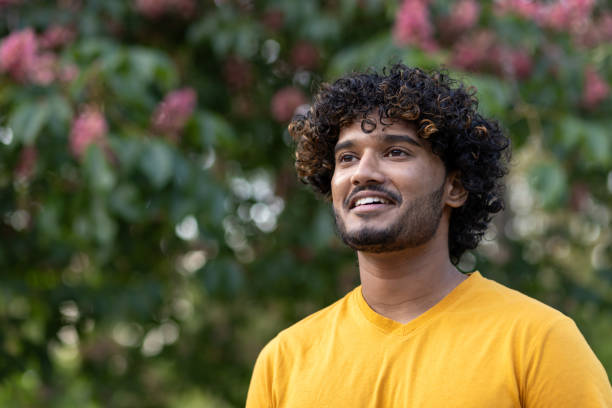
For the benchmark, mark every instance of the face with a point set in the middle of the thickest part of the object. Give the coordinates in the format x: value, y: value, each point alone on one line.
x: 388, y: 188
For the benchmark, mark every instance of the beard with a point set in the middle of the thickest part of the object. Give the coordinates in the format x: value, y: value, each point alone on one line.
x: 416, y: 225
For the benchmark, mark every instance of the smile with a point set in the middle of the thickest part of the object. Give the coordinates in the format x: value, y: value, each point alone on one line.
x: 370, y: 200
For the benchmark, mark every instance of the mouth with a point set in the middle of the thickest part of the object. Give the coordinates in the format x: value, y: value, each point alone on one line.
x: 369, y: 201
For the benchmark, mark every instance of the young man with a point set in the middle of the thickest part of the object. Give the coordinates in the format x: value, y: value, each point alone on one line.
x: 414, y: 174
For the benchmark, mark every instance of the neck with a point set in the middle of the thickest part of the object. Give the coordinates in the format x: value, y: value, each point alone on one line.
x: 404, y: 284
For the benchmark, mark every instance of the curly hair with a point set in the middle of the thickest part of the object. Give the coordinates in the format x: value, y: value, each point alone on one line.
x: 445, y: 113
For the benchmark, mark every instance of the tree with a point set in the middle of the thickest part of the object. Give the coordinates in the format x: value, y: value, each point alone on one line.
x: 154, y: 235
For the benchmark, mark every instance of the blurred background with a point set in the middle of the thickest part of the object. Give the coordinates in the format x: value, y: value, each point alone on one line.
x: 153, y: 234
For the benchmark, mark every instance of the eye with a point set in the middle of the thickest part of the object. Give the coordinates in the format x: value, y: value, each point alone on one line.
x: 346, y: 158
x: 397, y: 153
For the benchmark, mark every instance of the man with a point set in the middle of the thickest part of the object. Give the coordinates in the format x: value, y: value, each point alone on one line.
x: 414, y: 175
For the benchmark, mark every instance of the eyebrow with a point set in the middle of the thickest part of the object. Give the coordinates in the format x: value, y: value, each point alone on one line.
x: 387, y: 138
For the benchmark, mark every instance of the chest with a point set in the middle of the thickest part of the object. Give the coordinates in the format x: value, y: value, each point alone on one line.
x: 424, y: 370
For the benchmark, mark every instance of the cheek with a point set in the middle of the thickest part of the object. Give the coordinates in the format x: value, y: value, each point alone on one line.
x: 338, y: 189
x: 419, y: 177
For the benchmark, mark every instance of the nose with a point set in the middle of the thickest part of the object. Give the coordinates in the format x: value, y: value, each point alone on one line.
x: 367, y: 171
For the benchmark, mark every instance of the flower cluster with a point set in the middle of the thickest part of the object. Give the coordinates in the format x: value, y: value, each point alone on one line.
x: 26, y: 164
x: 56, y: 36
x: 598, y: 31
x: 159, y: 8
x: 238, y: 73
x: 557, y: 15
x: 305, y: 55
x: 273, y: 19
x: 4, y: 3
x: 19, y: 54
x: 463, y: 16
x: 24, y: 57
x: 172, y: 113
x: 413, y: 25
x: 87, y: 128
x: 481, y: 51
x: 284, y: 103
x: 595, y: 88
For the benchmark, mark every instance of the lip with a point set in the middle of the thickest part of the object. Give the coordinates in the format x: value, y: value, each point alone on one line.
x: 369, y: 209
x: 366, y: 193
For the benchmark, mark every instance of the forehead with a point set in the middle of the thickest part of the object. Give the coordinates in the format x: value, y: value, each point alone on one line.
x: 372, y: 129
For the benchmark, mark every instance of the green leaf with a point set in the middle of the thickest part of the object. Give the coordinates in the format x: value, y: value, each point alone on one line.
x: 151, y: 65
x: 223, y: 278
x: 570, y: 132
x: 104, y: 227
x: 28, y: 120
x: 129, y: 151
x: 215, y: 130
x: 597, y: 146
x: 376, y: 52
x: 157, y: 163
x: 99, y: 173
x: 124, y: 200
x: 494, y: 96
x: 549, y: 184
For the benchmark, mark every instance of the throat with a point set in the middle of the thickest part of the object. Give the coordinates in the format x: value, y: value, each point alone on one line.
x: 404, y: 293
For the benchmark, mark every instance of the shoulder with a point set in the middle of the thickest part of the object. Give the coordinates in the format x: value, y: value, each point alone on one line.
x: 502, y: 302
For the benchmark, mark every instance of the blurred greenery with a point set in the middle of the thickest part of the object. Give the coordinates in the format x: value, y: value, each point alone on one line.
x: 150, y: 270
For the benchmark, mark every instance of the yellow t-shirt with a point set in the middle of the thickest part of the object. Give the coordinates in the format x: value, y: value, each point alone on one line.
x: 483, y: 345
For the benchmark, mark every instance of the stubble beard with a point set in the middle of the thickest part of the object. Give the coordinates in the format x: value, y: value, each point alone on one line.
x: 415, y: 226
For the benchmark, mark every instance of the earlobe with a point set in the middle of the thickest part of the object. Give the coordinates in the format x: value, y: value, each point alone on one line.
x: 456, y: 194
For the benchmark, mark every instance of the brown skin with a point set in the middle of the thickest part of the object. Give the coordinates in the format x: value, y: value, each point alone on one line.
x: 403, y: 283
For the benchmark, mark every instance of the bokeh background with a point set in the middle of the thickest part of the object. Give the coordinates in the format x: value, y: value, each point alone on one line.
x: 153, y: 234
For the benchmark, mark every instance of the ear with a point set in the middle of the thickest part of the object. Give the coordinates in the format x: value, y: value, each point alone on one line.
x: 456, y: 194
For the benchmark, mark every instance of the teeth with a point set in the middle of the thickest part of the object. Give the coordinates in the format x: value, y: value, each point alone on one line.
x: 370, y: 200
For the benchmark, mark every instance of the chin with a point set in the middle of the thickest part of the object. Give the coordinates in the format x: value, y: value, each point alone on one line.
x: 372, y: 240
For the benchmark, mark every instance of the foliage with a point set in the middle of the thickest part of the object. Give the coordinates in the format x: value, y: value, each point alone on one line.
x: 154, y: 236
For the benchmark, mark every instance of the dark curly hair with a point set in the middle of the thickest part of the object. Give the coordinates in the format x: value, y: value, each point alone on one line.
x: 445, y: 113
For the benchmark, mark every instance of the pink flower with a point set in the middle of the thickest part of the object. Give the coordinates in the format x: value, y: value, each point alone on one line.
x: 56, y: 36
x: 20, y: 58
x: 273, y: 19
x: 305, y: 55
x: 89, y: 127
x: 151, y: 8
x: 68, y: 73
x: 605, y: 26
x: 43, y: 72
x: 561, y: 15
x: 464, y: 15
x: 565, y: 15
x: 413, y: 25
x: 524, y: 8
x: 595, y: 88
x: 158, y: 8
x: 476, y: 52
x: 172, y: 113
x: 184, y: 8
x: 284, y: 103
x: 26, y: 164
x: 18, y: 54
x: 555, y: 15
x: 238, y: 72
x: 4, y: 3
x: 521, y: 63
x: 596, y: 32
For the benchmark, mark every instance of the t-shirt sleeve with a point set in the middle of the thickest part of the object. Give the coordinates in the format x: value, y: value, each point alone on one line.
x: 563, y: 371
x: 260, y: 389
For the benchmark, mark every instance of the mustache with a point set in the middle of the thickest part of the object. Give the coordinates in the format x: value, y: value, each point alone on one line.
x: 374, y: 187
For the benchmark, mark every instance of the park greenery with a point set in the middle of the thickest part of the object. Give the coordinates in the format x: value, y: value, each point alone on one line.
x: 154, y: 234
